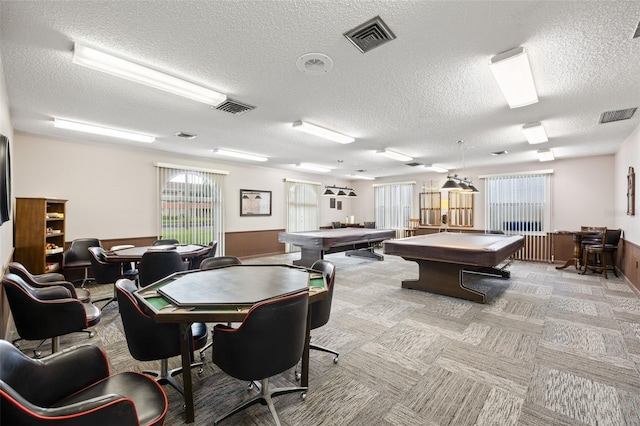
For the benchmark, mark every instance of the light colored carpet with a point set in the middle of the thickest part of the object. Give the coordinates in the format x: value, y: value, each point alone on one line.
x: 549, y: 348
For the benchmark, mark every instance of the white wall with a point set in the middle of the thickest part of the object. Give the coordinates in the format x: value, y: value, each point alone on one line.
x: 627, y: 156
x: 6, y: 230
x: 582, y: 191
x: 112, y: 189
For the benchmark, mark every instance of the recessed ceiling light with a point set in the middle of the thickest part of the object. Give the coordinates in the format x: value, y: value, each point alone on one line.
x: 534, y: 132
x: 512, y: 71
x: 103, y: 131
x: 313, y: 167
x: 363, y: 177
x: 312, y: 129
x: 436, y: 168
x: 237, y: 154
x: 545, y: 155
x: 394, y: 155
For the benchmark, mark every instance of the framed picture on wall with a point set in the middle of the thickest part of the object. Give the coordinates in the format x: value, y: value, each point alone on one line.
x: 255, y: 202
x: 339, y: 205
x: 631, y: 192
x: 332, y: 203
x: 5, y: 180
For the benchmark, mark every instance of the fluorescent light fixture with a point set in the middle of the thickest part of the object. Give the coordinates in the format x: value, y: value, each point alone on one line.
x: 545, y: 155
x: 363, y: 177
x: 313, y: 167
x: 534, y: 132
x: 512, y: 71
x: 435, y: 168
x: 105, y: 62
x: 237, y: 154
x: 394, y: 155
x: 103, y: 131
x: 322, y: 132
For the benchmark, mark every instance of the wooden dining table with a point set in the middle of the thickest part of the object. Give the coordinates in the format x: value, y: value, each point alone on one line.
x: 134, y: 254
x: 578, y: 238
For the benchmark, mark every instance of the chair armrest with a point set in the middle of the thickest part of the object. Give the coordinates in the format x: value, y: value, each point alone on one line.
x: 48, y: 277
x: 62, y: 283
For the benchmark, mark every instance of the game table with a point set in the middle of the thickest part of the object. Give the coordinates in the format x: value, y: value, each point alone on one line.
x: 225, y: 295
x: 443, y: 258
x: 354, y: 241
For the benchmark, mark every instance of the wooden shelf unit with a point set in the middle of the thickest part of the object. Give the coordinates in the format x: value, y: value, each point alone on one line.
x: 39, y: 222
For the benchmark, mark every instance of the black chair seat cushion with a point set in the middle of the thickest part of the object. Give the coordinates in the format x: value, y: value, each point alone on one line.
x: 77, y: 264
x: 147, y: 396
x: 93, y: 314
x: 83, y: 295
x: 200, y: 336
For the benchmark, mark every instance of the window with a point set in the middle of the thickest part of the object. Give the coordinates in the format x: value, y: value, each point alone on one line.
x: 519, y: 204
x: 302, y: 208
x: 190, y: 205
x: 430, y: 208
x: 393, y: 206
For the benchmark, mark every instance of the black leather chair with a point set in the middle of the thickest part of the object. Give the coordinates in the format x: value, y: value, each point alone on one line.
x: 601, y: 257
x: 49, y: 312
x: 213, y: 263
x: 218, y: 262
x: 48, y: 279
x: 321, y: 310
x: 78, y: 257
x: 108, y: 273
x: 269, y: 341
x: 166, y: 242
x: 196, y: 261
x: 72, y: 388
x: 150, y: 341
x: 156, y: 265
x: 336, y: 225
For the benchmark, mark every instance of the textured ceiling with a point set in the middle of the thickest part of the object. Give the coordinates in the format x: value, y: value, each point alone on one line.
x: 417, y: 94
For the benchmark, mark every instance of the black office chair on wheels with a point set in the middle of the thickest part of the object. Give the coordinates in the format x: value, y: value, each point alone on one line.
x: 196, y: 261
x: 166, y: 242
x: 49, y: 312
x: 213, y: 263
x: 48, y: 279
x: 269, y: 341
x: 156, y: 265
x: 73, y: 387
x: 108, y: 273
x: 78, y: 256
x: 150, y: 341
x: 321, y: 310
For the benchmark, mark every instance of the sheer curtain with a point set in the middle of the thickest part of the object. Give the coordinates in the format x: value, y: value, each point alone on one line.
x: 303, y: 207
x: 393, y: 206
x: 190, y: 204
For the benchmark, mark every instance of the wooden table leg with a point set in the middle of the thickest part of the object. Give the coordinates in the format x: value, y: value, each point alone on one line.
x: 187, y: 383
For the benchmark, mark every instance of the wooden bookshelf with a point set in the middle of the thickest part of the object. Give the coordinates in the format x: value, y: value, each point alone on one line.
x: 39, y: 233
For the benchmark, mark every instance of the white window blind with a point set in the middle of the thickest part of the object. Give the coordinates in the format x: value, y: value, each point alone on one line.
x: 303, y: 208
x: 518, y: 204
x: 393, y: 206
x: 190, y: 205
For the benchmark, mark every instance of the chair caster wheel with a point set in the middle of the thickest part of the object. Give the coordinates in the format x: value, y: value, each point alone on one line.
x: 200, y: 371
x: 298, y: 376
x: 17, y: 345
x: 335, y: 360
x: 37, y: 354
x: 303, y: 396
x: 250, y: 386
x: 184, y: 407
x: 91, y: 334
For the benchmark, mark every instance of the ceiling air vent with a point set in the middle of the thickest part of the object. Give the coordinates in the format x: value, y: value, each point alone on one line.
x: 414, y: 164
x: 234, y: 107
x: 637, y: 33
x: 185, y: 135
x: 370, y: 35
x: 621, y: 114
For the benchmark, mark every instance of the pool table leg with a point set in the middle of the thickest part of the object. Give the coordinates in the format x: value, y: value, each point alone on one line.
x: 442, y: 278
x: 308, y: 256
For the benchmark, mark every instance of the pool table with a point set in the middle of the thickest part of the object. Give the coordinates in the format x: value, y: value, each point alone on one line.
x: 354, y: 241
x: 443, y: 257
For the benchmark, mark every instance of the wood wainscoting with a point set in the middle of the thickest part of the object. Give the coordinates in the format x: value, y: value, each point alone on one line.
x: 253, y: 243
x: 628, y: 259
